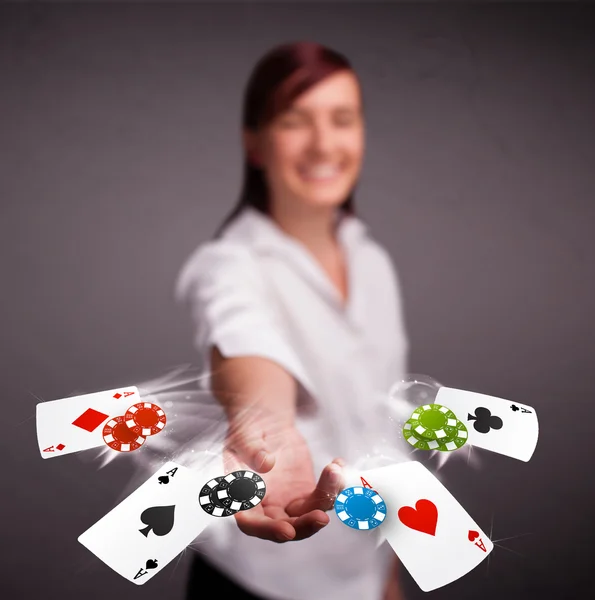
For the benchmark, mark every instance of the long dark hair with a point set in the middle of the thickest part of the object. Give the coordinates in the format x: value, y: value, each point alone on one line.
x: 277, y: 80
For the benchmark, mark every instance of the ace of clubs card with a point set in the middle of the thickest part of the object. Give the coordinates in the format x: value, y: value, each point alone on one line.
x: 492, y: 423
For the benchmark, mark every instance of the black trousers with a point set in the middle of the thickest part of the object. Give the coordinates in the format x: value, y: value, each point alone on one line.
x: 204, y: 576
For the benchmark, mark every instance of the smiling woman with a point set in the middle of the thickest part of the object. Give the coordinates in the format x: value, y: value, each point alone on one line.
x: 312, y: 152
x: 300, y: 98
x: 299, y: 322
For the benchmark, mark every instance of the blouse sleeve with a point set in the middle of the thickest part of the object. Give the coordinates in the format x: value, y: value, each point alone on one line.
x: 224, y: 288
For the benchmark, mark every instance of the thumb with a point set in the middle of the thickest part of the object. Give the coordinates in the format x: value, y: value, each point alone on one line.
x: 246, y: 446
x: 323, y: 497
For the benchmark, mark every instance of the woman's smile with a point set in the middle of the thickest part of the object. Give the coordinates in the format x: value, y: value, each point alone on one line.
x: 321, y: 173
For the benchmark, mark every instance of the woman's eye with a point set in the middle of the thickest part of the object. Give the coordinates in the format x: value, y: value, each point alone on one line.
x: 292, y: 121
x: 344, y: 120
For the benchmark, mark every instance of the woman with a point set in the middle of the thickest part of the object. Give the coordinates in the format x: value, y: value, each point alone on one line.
x: 299, y: 321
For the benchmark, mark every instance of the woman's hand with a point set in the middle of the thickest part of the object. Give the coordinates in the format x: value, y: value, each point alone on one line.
x: 294, y: 505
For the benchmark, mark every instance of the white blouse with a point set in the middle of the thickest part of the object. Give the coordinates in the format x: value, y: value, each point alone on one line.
x: 258, y: 292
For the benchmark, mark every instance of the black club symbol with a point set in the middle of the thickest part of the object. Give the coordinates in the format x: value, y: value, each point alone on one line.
x: 484, y: 420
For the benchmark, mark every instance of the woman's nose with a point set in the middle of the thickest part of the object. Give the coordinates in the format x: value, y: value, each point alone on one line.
x: 322, y: 141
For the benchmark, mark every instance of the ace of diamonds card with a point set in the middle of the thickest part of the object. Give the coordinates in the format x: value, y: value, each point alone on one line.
x: 74, y: 424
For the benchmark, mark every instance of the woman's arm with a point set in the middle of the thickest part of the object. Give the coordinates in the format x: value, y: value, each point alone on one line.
x: 224, y: 286
x: 259, y: 398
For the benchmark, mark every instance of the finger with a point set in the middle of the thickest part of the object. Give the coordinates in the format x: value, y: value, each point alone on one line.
x: 278, y: 513
x: 309, y: 524
x: 257, y: 524
x: 249, y: 447
x: 256, y: 459
x: 324, y: 495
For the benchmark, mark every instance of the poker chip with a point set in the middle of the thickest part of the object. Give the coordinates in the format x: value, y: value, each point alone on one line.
x: 241, y: 490
x: 145, y: 418
x: 457, y: 434
x: 460, y: 436
x: 442, y: 445
x: 360, y: 508
x: 420, y: 443
x: 118, y: 436
x: 210, y: 502
x: 434, y: 422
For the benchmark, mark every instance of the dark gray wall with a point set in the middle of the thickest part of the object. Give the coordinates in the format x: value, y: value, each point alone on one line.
x: 119, y: 153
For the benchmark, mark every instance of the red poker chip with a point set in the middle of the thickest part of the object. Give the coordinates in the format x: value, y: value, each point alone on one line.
x: 145, y: 419
x: 118, y: 436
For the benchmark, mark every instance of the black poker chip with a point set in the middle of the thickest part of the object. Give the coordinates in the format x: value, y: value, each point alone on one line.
x: 241, y: 490
x: 209, y: 501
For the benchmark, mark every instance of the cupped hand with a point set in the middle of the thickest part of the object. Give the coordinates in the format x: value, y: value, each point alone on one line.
x: 294, y: 507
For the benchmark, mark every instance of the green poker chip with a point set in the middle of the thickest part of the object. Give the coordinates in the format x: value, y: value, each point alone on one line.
x: 434, y: 422
x: 420, y: 443
x: 457, y: 434
x: 442, y: 445
x: 460, y: 433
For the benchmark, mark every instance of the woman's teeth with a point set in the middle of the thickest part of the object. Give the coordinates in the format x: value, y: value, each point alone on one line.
x: 322, y: 172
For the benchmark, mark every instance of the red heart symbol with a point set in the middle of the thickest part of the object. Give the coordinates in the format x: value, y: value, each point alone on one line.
x: 472, y: 535
x: 424, y: 517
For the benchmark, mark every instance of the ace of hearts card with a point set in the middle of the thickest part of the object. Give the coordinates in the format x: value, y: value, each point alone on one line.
x: 434, y: 537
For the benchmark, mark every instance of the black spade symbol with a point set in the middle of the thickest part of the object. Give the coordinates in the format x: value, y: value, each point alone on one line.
x: 158, y: 519
x: 151, y: 564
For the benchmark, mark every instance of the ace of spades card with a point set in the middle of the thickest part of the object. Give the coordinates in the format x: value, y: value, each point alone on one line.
x: 148, y: 529
x: 494, y: 424
x: 431, y: 533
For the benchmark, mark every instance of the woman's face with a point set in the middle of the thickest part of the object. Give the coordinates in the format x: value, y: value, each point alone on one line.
x: 312, y: 153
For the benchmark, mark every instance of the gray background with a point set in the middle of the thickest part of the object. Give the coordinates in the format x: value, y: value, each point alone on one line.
x: 119, y: 154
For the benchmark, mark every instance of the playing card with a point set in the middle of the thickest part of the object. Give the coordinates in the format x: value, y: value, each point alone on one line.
x: 431, y: 533
x: 75, y: 424
x: 153, y: 525
x: 494, y: 424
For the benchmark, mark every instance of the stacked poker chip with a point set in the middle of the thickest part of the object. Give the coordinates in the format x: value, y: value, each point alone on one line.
x: 229, y: 494
x: 129, y: 432
x: 360, y: 508
x: 435, y: 427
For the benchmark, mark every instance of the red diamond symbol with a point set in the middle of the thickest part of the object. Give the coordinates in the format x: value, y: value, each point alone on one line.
x: 60, y: 447
x: 117, y: 396
x: 90, y: 420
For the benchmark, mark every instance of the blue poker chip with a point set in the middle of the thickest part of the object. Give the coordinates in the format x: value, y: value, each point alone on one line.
x: 360, y: 508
